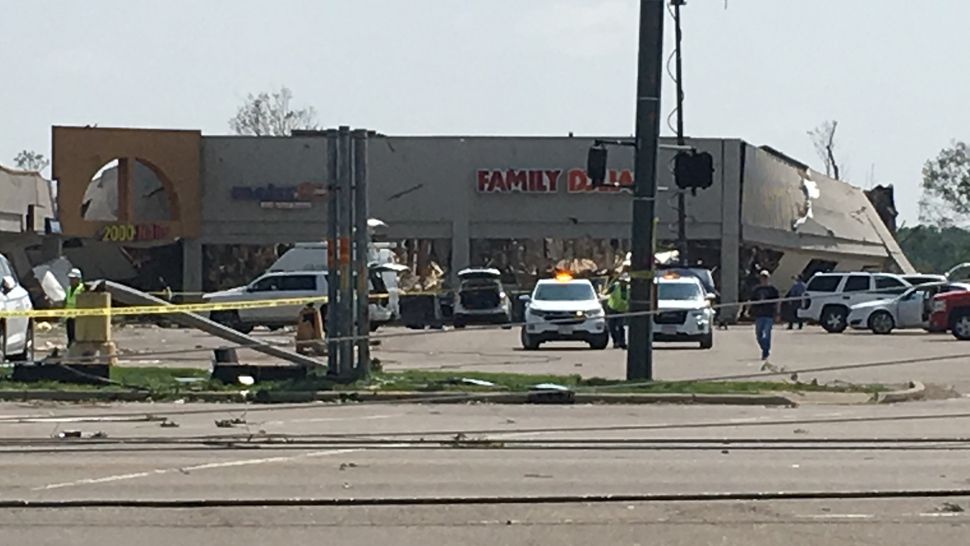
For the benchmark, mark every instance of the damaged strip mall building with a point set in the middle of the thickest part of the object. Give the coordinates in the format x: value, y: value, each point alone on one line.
x: 517, y: 203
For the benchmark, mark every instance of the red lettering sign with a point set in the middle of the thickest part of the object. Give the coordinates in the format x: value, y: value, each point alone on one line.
x: 547, y: 181
x: 517, y: 181
x: 616, y: 181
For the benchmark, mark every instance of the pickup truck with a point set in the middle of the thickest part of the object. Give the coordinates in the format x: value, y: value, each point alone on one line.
x: 950, y: 311
x: 286, y: 285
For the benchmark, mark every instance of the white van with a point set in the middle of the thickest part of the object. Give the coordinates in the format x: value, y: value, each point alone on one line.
x: 17, y: 336
x: 313, y: 257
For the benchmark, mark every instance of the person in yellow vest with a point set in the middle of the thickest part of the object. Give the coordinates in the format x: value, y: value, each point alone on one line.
x: 618, y: 303
x: 70, y: 300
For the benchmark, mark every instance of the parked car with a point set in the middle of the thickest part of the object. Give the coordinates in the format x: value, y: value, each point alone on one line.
x: 951, y: 312
x: 564, y: 309
x: 909, y: 310
x: 286, y: 285
x: 829, y: 296
x: 917, y: 279
x: 481, y: 298
x: 684, y: 311
x: 16, y: 333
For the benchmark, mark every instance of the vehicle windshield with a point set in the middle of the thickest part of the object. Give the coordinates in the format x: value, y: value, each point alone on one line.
x: 564, y: 292
x: 678, y: 291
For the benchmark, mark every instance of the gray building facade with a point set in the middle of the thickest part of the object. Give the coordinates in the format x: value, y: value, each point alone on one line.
x: 261, y: 190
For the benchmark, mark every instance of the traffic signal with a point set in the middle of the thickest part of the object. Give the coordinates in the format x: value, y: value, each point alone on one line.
x: 596, y: 165
x: 693, y: 170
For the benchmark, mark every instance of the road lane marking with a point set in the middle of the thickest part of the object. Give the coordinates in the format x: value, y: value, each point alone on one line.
x: 837, y: 516
x: 331, y: 419
x: 183, y: 469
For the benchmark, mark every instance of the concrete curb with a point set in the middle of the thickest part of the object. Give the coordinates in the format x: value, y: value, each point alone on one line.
x: 916, y: 391
x: 446, y: 397
x: 436, y: 397
x: 673, y: 398
x: 113, y: 396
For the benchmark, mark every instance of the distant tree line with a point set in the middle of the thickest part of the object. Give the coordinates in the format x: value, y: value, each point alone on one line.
x: 933, y: 249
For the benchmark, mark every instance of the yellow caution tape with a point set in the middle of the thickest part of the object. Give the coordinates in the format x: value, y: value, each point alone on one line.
x: 169, y: 309
x: 166, y: 309
x: 646, y: 274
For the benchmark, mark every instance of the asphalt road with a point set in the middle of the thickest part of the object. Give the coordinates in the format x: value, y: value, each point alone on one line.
x: 391, y: 451
x: 861, y: 357
x: 674, y: 524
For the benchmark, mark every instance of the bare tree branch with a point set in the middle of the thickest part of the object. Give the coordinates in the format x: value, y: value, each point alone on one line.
x: 270, y: 114
x: 823, y: 138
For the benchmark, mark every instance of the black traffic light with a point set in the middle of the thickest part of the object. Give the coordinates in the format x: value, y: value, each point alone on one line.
x: 596, y: 165
x: 693, y: 170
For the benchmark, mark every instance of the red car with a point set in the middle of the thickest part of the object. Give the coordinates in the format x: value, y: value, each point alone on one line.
x: 950, y: 311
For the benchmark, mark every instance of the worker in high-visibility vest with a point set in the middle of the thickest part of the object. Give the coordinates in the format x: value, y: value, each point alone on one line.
x: 70, y: 300
x: 618, y: 305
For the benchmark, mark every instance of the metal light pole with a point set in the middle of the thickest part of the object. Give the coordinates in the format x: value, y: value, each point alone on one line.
x: 681, y: 197
x: 639, y: 364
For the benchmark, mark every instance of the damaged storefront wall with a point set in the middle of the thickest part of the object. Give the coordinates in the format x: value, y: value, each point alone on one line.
x: 28, y: 228
x: 522, y: 204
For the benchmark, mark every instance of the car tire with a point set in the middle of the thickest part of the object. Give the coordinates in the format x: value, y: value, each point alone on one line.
x: 459, y: 322
x: 881, y: 323
x: 230, y: 319
x: 600, y: 341
x: 707, y: 342
x: 529, y: 343
x: 27, y: 355
x: 833, y: 319
x: 961, y: 326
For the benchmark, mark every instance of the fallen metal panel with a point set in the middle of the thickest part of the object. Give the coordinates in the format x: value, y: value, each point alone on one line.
x: 130, y: 296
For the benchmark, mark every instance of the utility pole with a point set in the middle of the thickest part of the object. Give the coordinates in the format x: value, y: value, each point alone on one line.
x: 345, y: 227
x: 360, y: 257
x: 639, y: 364
x: 333, y: 241
x: 681, y: 196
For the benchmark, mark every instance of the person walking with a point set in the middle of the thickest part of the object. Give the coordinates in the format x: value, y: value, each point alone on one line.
x: 70, y: 301
x: 793, y: 301
x: 618, y: 303
x: 764, y: 308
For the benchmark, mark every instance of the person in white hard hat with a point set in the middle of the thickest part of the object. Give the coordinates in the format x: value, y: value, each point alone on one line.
x: 70, y: 300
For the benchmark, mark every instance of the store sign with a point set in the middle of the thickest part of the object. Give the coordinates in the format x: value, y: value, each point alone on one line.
x: 282, y: 197
x: 129, y: 233
x: 548, y: 181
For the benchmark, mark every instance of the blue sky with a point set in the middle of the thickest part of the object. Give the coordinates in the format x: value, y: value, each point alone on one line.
x: 894, y: 73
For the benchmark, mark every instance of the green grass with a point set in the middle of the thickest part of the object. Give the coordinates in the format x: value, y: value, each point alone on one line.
x: 163, y: 383
x: 160, y: 382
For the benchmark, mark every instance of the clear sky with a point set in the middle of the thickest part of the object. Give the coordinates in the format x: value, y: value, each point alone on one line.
x: 894, y: 73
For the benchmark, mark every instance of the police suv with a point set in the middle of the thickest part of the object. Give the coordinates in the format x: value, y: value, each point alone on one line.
x: 684, y: 311
x: 564, y: 309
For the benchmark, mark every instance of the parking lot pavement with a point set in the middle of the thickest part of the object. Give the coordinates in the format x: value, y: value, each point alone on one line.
x: 865, y: 358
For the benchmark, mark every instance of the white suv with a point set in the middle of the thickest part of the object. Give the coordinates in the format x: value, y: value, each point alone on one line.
x: 16, y: 334
x: 830, y: 296
x: 684, y: 311
x: 564, y: 309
